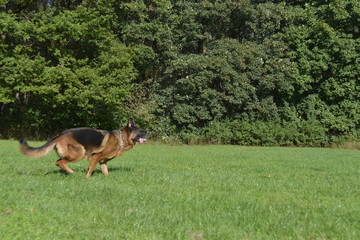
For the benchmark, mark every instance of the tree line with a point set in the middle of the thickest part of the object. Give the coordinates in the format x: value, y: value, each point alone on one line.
x: 250, y: 72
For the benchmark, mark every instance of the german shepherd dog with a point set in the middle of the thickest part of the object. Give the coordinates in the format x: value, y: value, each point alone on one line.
x: 98, y: 146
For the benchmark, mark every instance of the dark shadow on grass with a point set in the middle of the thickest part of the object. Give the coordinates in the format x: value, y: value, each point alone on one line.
x: 114, y: 169
x: 96, y: 171
x: 42, y: 173
x: 58, y: 172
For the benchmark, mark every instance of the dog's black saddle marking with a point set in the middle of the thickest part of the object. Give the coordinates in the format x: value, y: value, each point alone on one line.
x: 88, y: 137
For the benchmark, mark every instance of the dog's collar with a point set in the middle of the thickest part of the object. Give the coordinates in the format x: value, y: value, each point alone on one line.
x: 121, y: 139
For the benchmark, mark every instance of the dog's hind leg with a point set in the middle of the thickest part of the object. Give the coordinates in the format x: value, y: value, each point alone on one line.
x: 73, y: 154
x: 62, y: 164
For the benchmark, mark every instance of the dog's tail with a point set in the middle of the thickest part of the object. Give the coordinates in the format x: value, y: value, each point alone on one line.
x: 37, y: 151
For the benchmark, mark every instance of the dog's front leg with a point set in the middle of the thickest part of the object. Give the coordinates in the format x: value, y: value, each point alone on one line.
x: 104, y: 169
x: 94, y: 160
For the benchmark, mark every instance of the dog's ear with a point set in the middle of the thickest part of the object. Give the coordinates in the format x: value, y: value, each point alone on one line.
x: 131, y: 123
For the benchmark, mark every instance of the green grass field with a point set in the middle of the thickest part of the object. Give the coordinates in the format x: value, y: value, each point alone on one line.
x: 184, y: 192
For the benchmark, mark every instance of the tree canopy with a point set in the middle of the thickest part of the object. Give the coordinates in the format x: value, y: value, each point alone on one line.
x: 233, y: 71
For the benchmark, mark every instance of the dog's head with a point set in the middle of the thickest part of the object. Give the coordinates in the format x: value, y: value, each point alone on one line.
x: 135, y: 134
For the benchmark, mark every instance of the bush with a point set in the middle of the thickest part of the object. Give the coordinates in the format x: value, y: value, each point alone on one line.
x: 259, y: 133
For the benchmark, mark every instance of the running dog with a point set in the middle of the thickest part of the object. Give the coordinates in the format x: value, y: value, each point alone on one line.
x: 98, y: 146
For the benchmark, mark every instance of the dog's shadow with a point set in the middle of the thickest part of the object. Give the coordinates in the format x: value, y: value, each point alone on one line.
x: 114, y: 169
x: 96, y: 171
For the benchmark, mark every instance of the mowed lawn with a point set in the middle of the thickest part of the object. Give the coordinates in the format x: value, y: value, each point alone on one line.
x: 184, y: 192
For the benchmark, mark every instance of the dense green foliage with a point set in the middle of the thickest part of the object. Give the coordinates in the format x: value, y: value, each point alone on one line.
x: 241, y: 72
x: 184, y: 192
